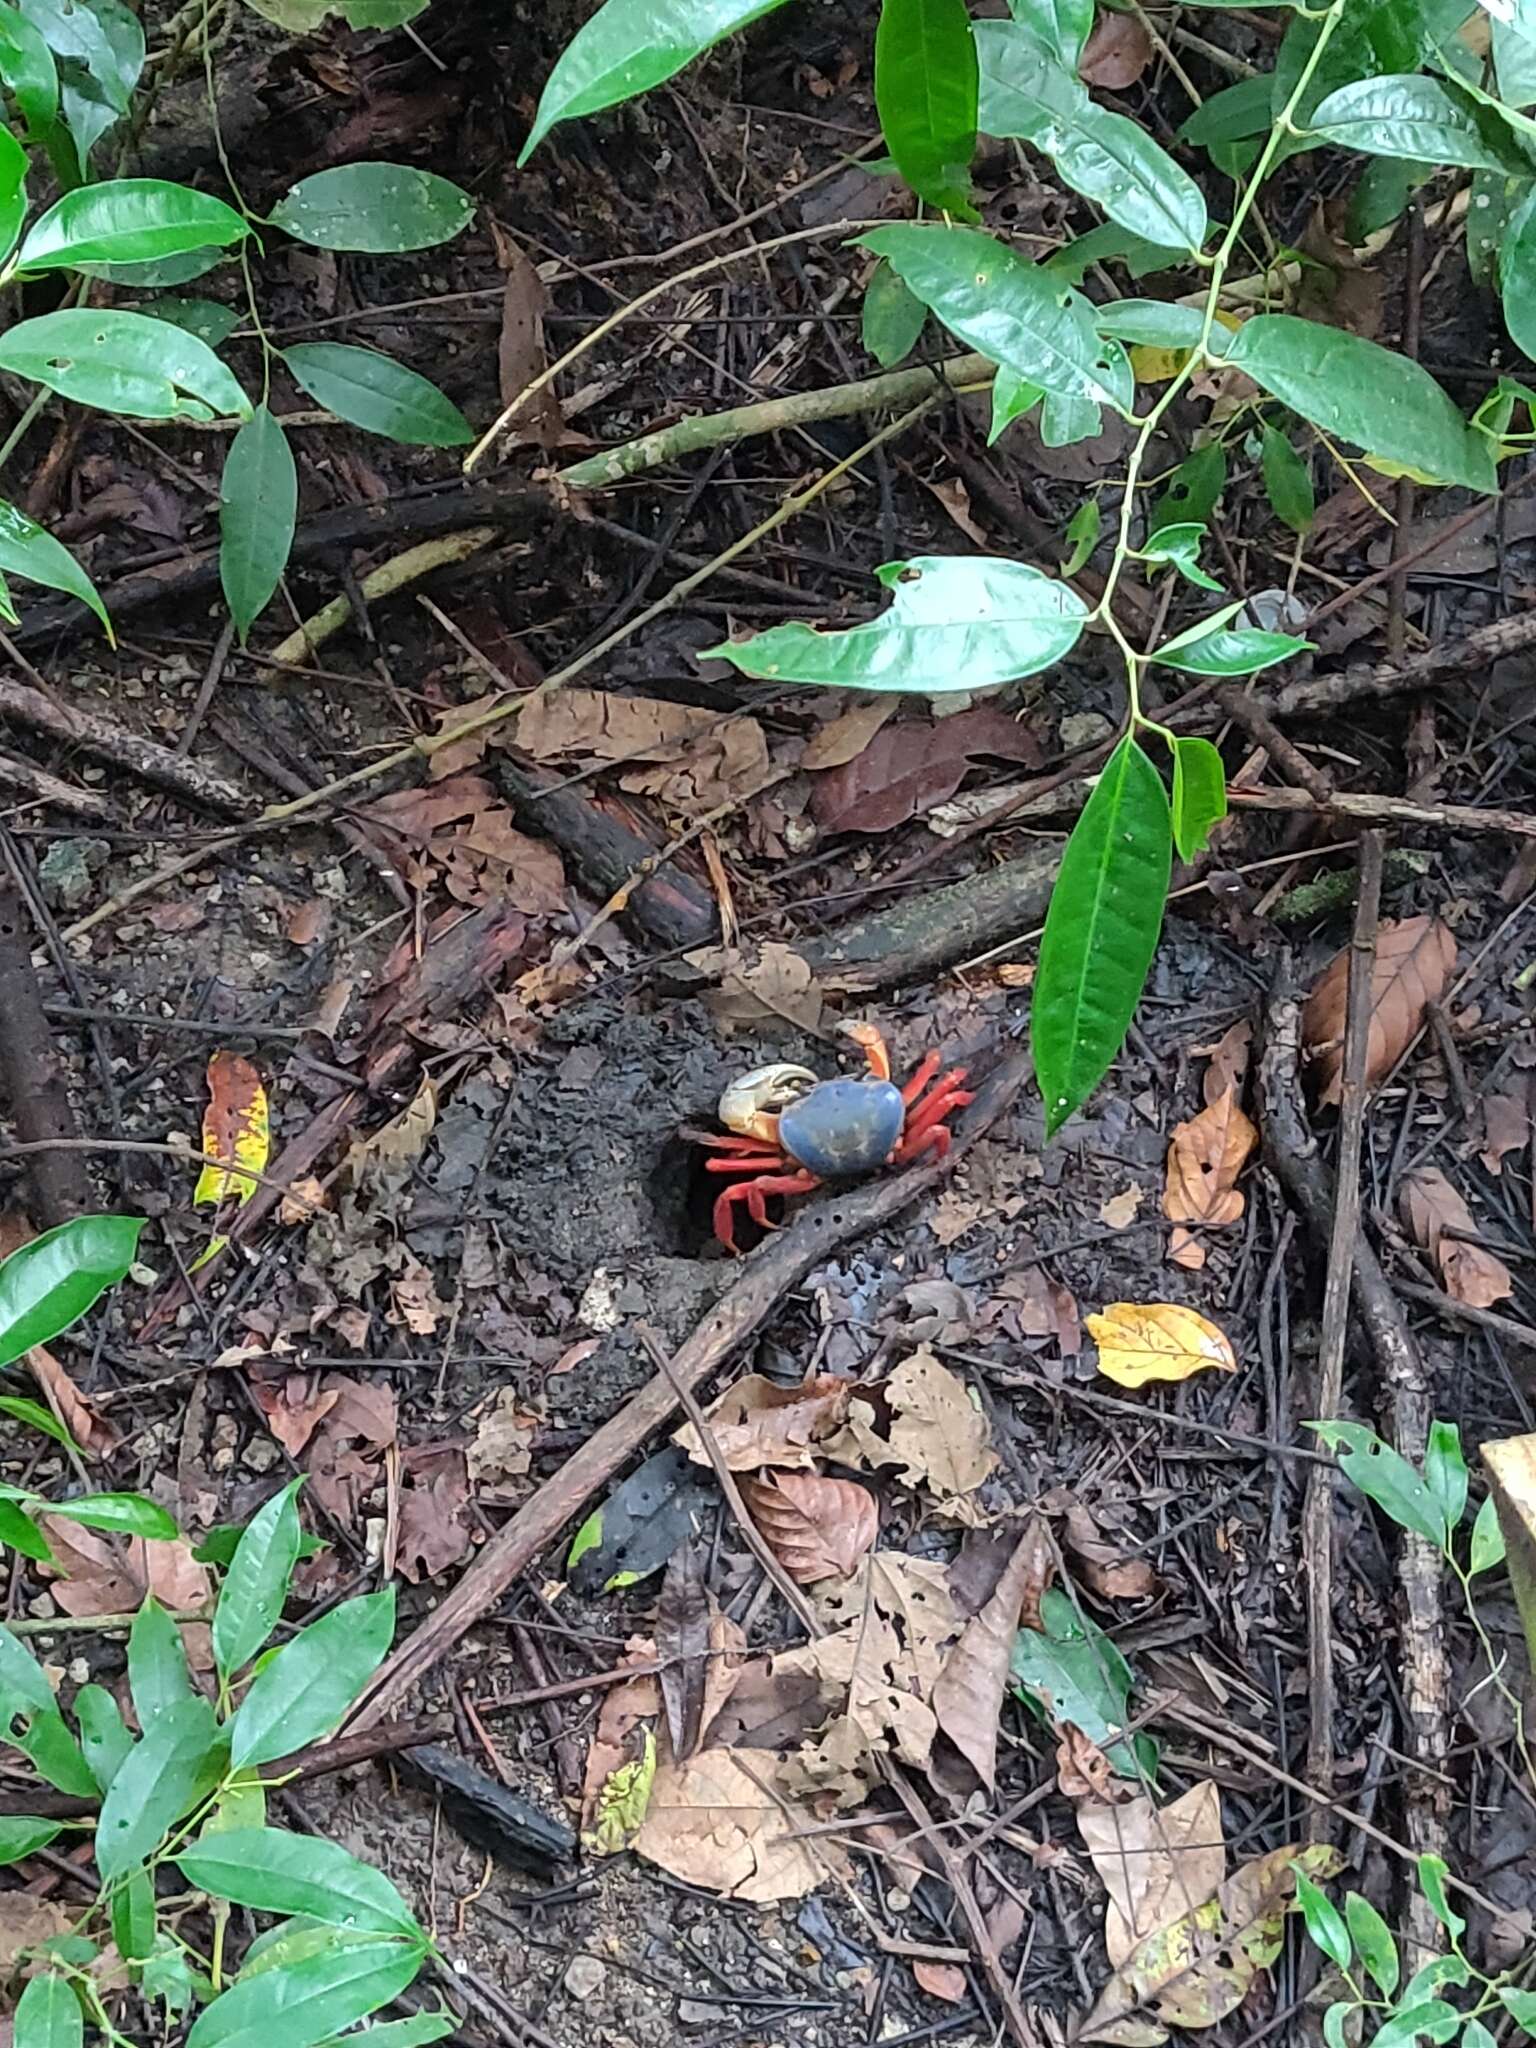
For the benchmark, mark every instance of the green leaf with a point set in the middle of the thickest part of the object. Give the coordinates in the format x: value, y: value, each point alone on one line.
x: 1179, y: 543
x: 892, y: 318
x: 31, y: 1722
x: 29, y: 551
x: 20, y: 1835
x: 1100, y: 931
x: 100, y: 48
x: 158, y: 1678
x: 1231, y: 115
x: 1514, y: 61
x: 1082, y: 534
x: 925, y: 96
x: 1475, y: 2035
x: 302, y: 1692
x: 1517, y: 274
x: 1287, y: 481
x: 48, y: 2015
x: 412, y: 2033
x: 1521, y: 2007
x: 380, y: 209
x: 277, y: 1872
x: 1438, y: 1970
x: 123, y: 362
x: 1069, y: 1670
x: 13, y: 189
x: 1323, y: 1921
x: 1434, y: 2020
x: 104, y: 1736
x: 205, y: 318
x: 1432, y: 1876
x: 36, y: 1416
x: 1381, y: 196
x: 627, y: 47
x: 373, y: 391
x: 29, y: 72
x: 177, y: 1763
x: 303, y: 2002
x: 1192, y: 490
x: 1199, y: 795
x: 128, y: 220
x: 1153, y: 323
x: 19, y: 1530
x: 1354, y: 389
x: 223, y: 1540
x: 50, y: 1283
x: 1373, y: 1942
x: 129, y: 1512
x: 252, y: 1596
x: 1336, y: 2016
x: 955, y: 622
x: 132, y: 1910
x: 1108, y: 244
x: 1229, y: 653
x: 258, y: 509
x: 1487, y: 1539
x: 159, y: 271
x: 1025, y: 92
x: 1061, y: 27
x: 1445, y: 1472
x: 1386, y: 1477
x: 1415, y: 118
x: 1004, y: 307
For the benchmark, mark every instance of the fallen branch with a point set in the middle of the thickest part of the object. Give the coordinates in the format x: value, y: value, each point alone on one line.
x: 398, y: 573
x: 32, y: 1076
x: 1387, y: 810
x: 106, y: 740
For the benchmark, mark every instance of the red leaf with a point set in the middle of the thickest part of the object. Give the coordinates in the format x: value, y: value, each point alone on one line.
x: 907, y: 769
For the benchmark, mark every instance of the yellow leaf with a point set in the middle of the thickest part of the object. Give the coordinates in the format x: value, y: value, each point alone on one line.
x: 622, y: 1802
x: 1160, y: 365
x: 1159, y: 1340
x: 235, y: 1131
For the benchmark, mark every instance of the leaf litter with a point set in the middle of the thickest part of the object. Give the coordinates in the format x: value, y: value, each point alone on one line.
x: 1413, y: 963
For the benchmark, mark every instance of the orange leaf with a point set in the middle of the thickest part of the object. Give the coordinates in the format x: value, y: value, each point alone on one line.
x: 1432, y: 1209
x: 942, y: 1980
x: 1160, y: 1340
x: 235, y: 1130
x: 1414, y: 958
x: 1204, y: 1160
x: 817, y: 1528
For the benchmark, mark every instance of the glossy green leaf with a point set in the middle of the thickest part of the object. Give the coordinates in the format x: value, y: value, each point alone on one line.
x: 1323, y: 1921
x: 255, y: 1587
x: 1191, y: 492
x: 415, y: 2032
x: 104, y: 1736
x: 925, y: 96
x: 1336, y: 2020
x: 1411, y: 117
x: 1487, y: 1539
x: 274, y: 1871
x: 1103, y: 155
x: 1360, y: 392
x: 123, y: 362
x: 301, y: 1693
x: 1152, y: 323
x: 1061, y: 27
x: 205, y: 318
x: 178, y: 1762
x: 955, y: 622
x: 1521, y: 2007
x: 1004, y: 307
x: 303, y: 2002
x: 51, y: 1282
x: 1514, y: 62
x: 1082, y: 535
x: 31, y: 1722
x: 20, y: 1532
x: 100, y: 48
x: 1287, y: 481
x: 1410, y: 2026
x: 1381, y: 196
x: 1432, y: 1876
x: 1439, y: 1970
x: 1517, y: 274
x: 380, y: 209
x: 48, y: 2015
x: 1373, y: 1942
x: 131, y: 1907
x: 131, y: 1513
x: 1220, y: 651
x: 1199, y: 795
x: 1108, y: 244
x: 373, y: 391
x: 128, y: 220
x: 1231, y: 115
x: 258, y: 509
x: 28, y: 71
x: 30, y: 551
x: 158, y: 1678
x: 13, y: 189
x: 1445, y: 1471
x: 1384, y: 1476
x: 223, y: 1540
x: 1179, y: 543
x: 629, y: 46
x: 1475, y: 2035
x: 1069, y: 1670
x: 892, y: 318
x: 159, y: 271
x: 20, y: 1834
x: 36, y: 1416
x: 1100, y: 931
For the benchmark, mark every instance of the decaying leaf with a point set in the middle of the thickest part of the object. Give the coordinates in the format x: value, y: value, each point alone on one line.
x: 1160, y: 1340
x: 1432, y: 1209
x: 236, y: 1131
x: 1119, y: 1211
x: 1157, y: 1863
x: 968, y: 1696
x: 692, y: 759
x: 389, y: 1156
x: 1229, y: 1062
x: 1205, y: 1157
x: 520, y: 347
x: 906, y: 769
x: 1414, y: 958
x: 778, y: 984
x: 622, y: 1801
x: 293, y: 1407
x: 1199, y: 1968
x: 1506, y: 1127
x: 756, y: 1423
x: 92, y: 1432
x: 847, y: 734
x: 1116, y: 53
x: 621, y: 1763
x: 503, y: 1439
x: 719, y: 1821
x: 942, y: 1980
x: 432, y: 1535
x: 927, y: 1423
x: 460, y: 829
x: 1112, y: 1575
x: 104, y: 1574
x: 640, y: 1524
x: 817, y: 1528
x: 682, y: 1644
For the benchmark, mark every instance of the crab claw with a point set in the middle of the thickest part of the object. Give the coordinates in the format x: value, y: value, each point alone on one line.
x: 750, y: 1105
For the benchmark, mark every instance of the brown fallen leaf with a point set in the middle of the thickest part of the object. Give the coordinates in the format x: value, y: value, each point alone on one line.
x: 1160, y: 1340
x: 848, y: 734
x: 907, y: 769
x: 1116, y: 53
x: 1112, y: 1575
x: 1083, y: 1772
x: 956, y: 501
x: 1157, y: 1864
x: 617, y: 1743
x: 935, y: 1432
x: 779, y: 984
x: 720, y: 1822
x: 1506, y: 1127
x: 942, y: 1980
x: 767, y: 1709
x: 682, y: 1645
x: 433, y: 1533
x: 460, y: 829
x: 696, y: 759
x: 756, y: 1423
x: 1432, y: 1208
x: 968, y: 1696
x: 1229, y: 1058
x: 294, y: 1407
x: 112, y: 1574
x: 236, y: 1130
x: 1205, y: 1157
x: 1119, y: 1212
x: 92, y: 1432
x: 520, y: 346
x: 817, y: 1528
x: 502, y: 1448
x: 308, y: 922
x: 1414, y: 958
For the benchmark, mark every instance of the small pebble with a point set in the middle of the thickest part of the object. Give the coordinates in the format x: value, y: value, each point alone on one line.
x: 584, y: 1975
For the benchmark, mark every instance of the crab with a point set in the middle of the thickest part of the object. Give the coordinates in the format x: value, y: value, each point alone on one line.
x: 790, y: 1131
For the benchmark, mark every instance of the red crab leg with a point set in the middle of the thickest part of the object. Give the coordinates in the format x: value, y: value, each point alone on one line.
x: 927, y: 1118
x: 867, y: 1037
x: 921, y: 1078
x: 735, y: 1142
x: 753, y: 1193
x: 756, y: 1162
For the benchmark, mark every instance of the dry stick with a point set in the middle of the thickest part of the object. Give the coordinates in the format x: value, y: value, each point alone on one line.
x: 427, y: 746
x: 32, y: 1075
x: 79, y: 726
x: 766, y: 1277
x: 1387, y: 810
x: 398, y: 573
x: 1317, y: 1511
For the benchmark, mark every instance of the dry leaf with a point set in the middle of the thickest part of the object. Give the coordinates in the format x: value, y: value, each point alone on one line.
x: 112, y: 1574
x: 293, y: 1407
x: 682, y: 1647
x: 716, y: 1823
x: 433, y: 1534
x: 1160, y: 1340
x: 303, y: 1200
x: 309, y: 922
x: 1229, y: 1062
x: 698, y: 758
x: 461, y: 828
x: 968, y: 1697
x: 817, y: 1528
x: 1204, y: 1160
x: 1157, y: 1864
x: 767, y: 1709
x: 617, y: 1745
x: 1432, y: 1208
x: 907, y: 769
x: 236, y: 1130
x: 848, y: 734
x: 1506, y: 1128
x: 938, y: 1434
x: 1083, y: 1771
x: 942, y: 1980
x: 780, y: 985
x: 1120, y: 1210
x: 503, y: 1439
x: 415, y: 1301
x: 756, y: 1423
x: 520, y: 347
x: 91, y: 1432
x: 1116, y: 53
x: 1414, y: 958
x: 956, y: 500
x: 1111, y: 1575
x: 389, y: 1157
